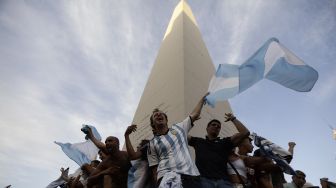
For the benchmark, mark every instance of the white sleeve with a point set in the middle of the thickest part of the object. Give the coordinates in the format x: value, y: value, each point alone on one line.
x: 186, y: 124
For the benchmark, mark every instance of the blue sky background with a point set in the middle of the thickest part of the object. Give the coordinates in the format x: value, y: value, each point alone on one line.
x: 65, y: 63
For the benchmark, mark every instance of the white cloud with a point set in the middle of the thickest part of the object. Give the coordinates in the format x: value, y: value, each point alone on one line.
x: 324, y: 89
x: 64, y: 63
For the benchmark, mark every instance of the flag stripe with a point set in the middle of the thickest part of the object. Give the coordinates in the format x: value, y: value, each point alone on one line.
x: 272, y: 61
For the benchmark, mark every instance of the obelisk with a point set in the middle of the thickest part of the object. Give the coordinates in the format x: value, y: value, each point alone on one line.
x: 179, y: 78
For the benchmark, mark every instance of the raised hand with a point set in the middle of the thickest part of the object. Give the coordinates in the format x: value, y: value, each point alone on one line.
x: 64, y: 174
x: 229, y: 117
x: 291, y: 144
x: 130, y: 129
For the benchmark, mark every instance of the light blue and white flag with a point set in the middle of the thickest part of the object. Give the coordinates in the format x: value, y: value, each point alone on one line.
x: 272, y: 61
x: 138, y: 174
x: 83, y: 152
x: 272, y: 151
x: 331, y: 184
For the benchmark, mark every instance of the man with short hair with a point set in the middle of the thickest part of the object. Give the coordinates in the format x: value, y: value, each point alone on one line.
x: 212, y: 152
x: 298, y: 180
x: 168, y: 153
x: 113, y: 169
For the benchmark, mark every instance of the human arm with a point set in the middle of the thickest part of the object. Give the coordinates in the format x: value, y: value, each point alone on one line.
x: 324, y: 182
x: 252, y: 161
x: 243, y: 132
x: 130, y: 150
x: 75, y: 183
x: 195, y: 114
x: 291, y: 146
x: 100, y: 145
x: 111, y: 170
x: 259, y: 163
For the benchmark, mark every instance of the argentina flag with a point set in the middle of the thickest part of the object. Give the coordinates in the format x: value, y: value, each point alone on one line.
x: 272, y: 61
x: 272, y: 151
x: 82, y: 152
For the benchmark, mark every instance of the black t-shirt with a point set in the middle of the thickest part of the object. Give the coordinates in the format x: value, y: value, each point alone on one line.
x: 212, y: 156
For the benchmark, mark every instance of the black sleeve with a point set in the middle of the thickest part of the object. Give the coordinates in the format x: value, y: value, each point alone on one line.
x: 228, y: 143
x: 192, y: 141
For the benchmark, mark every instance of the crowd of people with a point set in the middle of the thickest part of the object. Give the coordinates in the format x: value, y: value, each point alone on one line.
x: 165, y: 161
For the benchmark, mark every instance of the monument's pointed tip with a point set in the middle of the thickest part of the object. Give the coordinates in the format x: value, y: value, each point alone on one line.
x: 180, y: 75
x: 182, y: 7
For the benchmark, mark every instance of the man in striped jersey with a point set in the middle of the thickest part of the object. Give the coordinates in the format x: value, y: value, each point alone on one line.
x: 168, y: 153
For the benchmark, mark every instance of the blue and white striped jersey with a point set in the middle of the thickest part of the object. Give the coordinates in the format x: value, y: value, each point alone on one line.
x: 170, y: 151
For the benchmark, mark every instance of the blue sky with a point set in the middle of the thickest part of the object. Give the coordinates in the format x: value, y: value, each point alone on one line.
x: 65, y: 63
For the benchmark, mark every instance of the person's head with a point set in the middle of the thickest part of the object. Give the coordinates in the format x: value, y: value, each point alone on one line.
x: 86, y: 168
x: 94, y: 163
x: 112, y: 144
x: 246, y: 146
x: 299, y: 179
x: 102, y: 155
x: 158, y: 119
x: 213, y: 128
x: 143, y: 149
x: 142, y: 144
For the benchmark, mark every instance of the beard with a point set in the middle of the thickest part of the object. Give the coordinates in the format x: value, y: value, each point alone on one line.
x: 111, y: 150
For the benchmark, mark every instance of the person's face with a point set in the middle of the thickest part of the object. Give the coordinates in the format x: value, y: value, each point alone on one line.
x: 299, y: 180
x: 138, y: 147
x: 213, y: 129
x: 102, y: 155
x: 246, y: 145
x: 94, y: 164
x: 159, y: 119
x: 112, y: 144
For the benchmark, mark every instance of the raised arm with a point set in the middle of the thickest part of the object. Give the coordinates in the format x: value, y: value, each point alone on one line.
x: 243, y: 132
x: 324, y: 182
x: 64, y: 174
x: 259, y: 163
x: 130, y: 150
x: 98, y: 143
x: 195, y: 114
x: 96, y: 174
x: 291, y: 146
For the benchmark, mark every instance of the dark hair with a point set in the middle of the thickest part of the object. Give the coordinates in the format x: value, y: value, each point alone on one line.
x: 143, y: 148
x: 151, y: 118
x: 95, y: 161
x: 299, y: 172
x: 214, y: 120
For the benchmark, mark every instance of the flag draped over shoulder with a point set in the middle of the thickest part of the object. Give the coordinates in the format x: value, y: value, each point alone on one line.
x: 82, y: 152
x: 138, y: 174
x: 272, y: 61
x: 331, y: 184
x: 270, y: 150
